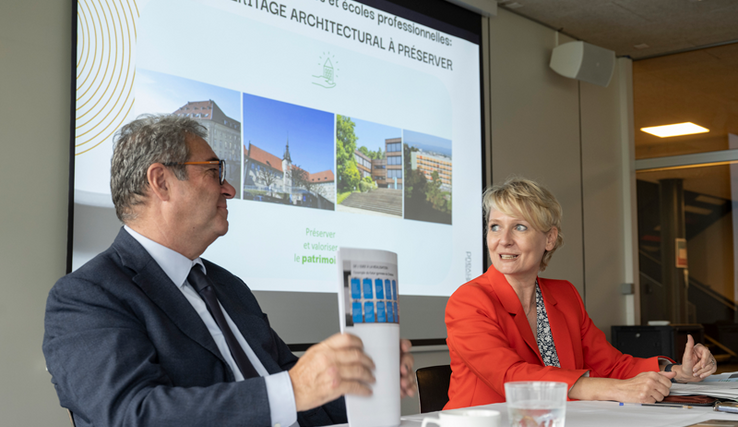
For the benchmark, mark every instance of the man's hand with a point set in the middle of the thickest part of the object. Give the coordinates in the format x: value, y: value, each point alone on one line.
x: 408, y: 387
x: 697, y: 363
x: 330, y: 369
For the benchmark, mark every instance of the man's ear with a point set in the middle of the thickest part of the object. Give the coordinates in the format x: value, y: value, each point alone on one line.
x: 158, y: 176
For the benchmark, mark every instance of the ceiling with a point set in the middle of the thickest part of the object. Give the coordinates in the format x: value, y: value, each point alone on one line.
x: 685, y: 68
x: 625, y: 26
x: 699, y: 86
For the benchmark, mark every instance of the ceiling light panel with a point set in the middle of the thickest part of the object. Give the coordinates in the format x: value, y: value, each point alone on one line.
x: 676, y: 129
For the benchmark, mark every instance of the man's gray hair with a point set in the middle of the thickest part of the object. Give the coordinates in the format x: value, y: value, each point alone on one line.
x: 147, y: 140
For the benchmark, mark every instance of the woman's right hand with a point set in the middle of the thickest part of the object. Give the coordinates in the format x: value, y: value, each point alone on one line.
x: 646, y: 387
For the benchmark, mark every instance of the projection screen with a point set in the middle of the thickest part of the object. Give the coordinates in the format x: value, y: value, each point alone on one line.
x: 342, y: 123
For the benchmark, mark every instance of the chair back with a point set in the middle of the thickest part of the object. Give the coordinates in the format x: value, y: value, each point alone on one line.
x: 433, y: 384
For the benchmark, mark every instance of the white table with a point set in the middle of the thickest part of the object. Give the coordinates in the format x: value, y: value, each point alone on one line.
x: 611, y: 414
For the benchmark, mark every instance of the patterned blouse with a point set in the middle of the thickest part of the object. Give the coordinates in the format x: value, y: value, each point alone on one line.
x: 545, y: 340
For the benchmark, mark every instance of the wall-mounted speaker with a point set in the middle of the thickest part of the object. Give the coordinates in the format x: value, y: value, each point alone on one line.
x: 584, y: 61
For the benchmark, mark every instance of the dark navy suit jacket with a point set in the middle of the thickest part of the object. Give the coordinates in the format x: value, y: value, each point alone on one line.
x: 125, y: 348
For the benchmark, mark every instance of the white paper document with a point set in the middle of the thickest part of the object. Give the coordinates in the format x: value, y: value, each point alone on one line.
x: 724, y: 377
x: 368, y: 307
x: 721, y: 388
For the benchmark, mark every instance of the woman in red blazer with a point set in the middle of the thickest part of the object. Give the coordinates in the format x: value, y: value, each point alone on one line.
x: 511, y: 325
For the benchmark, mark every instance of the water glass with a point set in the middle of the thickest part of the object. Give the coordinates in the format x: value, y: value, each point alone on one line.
x: 536, y: 403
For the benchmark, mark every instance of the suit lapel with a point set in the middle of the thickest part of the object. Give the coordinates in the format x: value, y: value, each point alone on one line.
x: 152, y: 280
x: 509, y: 299
x: 559, y: 332
x: 246, y: 323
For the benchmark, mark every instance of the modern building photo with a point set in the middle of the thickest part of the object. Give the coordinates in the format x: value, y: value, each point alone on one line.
x: 369, y: 164
x: 428, y: 177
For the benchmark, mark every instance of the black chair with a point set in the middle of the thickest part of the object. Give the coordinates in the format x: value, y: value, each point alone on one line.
x: 433, y: 384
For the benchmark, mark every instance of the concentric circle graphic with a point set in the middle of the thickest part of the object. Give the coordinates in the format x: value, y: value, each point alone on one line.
x: 106, y: 69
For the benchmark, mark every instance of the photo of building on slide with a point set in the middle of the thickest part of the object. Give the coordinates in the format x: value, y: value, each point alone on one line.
x: 224, y: 136
x: 288, y: 154
x: 369, y: 165
x: 214, y: 107
x: 428, y: 171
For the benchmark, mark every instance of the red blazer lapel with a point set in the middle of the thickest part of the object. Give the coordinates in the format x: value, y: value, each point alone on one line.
x: 509, y: 299
x: 559, y: 330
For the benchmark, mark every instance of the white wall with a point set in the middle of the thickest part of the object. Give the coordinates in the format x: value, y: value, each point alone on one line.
x: 535, y: 133
x: 605, y: 200
x: 35, y: 63
x: 535, y: 127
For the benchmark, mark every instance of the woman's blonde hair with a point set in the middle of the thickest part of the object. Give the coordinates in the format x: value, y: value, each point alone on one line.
x: 528, y: 200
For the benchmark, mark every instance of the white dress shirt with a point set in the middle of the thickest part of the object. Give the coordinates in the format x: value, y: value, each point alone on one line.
x: 177, y: 267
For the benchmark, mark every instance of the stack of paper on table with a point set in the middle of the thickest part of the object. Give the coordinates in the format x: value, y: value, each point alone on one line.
x: 722, y: 386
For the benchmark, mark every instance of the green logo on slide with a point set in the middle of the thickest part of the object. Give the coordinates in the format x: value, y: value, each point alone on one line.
x: 327, y: 78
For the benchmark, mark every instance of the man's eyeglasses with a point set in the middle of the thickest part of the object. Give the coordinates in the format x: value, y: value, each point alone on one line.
x: 221, y: 167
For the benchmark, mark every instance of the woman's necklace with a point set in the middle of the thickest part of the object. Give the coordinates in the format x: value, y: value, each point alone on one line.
x: 531, y: 306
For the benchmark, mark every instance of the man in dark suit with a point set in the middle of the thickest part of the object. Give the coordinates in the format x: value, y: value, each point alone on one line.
x: 136, y: 337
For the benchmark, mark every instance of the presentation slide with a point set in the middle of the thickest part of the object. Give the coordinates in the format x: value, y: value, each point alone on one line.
x: 342, y: 125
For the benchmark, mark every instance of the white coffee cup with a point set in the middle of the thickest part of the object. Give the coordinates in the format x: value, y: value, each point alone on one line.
x: 466, y: 418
